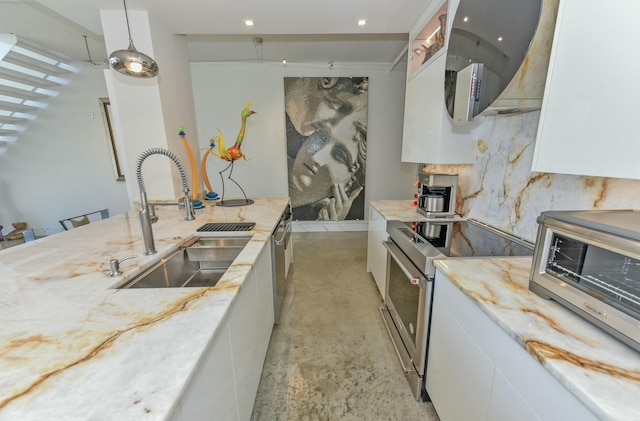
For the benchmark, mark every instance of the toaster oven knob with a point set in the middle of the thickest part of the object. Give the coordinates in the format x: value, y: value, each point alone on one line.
x: 415, y: 196
x: 414, y: 203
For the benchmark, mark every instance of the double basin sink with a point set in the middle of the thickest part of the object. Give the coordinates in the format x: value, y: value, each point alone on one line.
x: 199, y: 262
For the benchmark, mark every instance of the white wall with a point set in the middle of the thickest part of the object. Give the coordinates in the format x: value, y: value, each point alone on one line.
x: 221, y: 90
x: 61, y: 165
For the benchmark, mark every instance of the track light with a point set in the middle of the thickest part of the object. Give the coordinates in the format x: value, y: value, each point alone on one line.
x: 131, y: 62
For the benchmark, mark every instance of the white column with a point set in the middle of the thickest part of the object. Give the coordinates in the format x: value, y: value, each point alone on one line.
x: 148, y: 112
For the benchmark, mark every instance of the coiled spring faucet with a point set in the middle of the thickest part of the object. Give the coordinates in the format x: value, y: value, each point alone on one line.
x: 146, y: 216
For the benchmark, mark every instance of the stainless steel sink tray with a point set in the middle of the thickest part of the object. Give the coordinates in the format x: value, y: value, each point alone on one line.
x: 219, y: 249
x: 199, y: 262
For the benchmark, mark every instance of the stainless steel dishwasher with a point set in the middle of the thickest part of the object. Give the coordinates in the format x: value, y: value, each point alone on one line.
x: 282, y: 256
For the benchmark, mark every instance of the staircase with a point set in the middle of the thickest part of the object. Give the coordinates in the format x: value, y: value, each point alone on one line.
x: 29, y: 77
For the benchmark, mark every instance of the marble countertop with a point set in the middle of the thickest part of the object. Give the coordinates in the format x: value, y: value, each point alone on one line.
x: 399, y: 210
x: 598, y: 369
x: 73, y: 347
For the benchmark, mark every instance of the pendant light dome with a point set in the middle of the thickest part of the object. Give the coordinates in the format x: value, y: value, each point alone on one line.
x: 131, y: 62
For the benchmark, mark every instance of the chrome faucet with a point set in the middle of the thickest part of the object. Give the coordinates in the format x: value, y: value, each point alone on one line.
x: 146, y: 214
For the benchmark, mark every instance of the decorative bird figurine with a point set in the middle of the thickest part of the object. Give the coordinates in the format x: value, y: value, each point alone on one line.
x: 234, y: 153
x: 230, y: 155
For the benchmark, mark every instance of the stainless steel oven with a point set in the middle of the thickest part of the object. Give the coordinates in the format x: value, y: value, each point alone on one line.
x: 411, y: 251
x: 589, y: 262
x: 407, y: 313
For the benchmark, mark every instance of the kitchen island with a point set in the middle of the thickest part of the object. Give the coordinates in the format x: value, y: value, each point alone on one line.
x: 75, y: 347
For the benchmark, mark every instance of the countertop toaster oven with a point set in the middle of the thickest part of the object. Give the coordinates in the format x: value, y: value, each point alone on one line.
x: 589, y: 262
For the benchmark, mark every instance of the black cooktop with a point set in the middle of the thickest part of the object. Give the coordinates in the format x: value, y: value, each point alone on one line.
x: 469, y: 238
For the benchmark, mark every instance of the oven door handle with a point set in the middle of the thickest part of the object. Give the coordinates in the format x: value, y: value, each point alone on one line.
x: 408, y: 268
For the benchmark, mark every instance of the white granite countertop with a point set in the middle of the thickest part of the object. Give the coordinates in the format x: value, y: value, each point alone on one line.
x: 72, y: 347
x: 598, y: 369
x: 398, y: 210
x: 402, y: 210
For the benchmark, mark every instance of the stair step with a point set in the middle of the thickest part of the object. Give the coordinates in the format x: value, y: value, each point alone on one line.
x: 33, y: 64
x: 26, y: 79
x: 6, y: 132
x: 12, y: 120
x: 21, y: 93
x: 20, y: 108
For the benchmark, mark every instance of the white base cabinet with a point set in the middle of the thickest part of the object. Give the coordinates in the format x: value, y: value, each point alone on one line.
x: 376, y: 253
x: 459, y: 374
x: 225, y: 384
x: 475, y: 371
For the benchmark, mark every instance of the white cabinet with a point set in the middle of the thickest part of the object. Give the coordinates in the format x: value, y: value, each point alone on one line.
x: 250, y: 325
x: 476, y: 371
x: 428, y: 135
x: 459, y: 374
x: 225, y: 383
x: 589, y: 120
x: 506, y: 403
x: 376, y: 253
x: 212, y: 389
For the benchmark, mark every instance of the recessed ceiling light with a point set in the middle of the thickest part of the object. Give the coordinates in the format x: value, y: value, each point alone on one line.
x: 362, y: 22
x: 465, y: 19
x: 499, y: 39
x: 248, y: 22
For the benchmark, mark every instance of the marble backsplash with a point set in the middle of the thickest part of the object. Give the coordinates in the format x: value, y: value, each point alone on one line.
x: 500, y: 189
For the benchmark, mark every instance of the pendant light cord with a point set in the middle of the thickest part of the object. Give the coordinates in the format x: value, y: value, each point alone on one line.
x: 126, y: 16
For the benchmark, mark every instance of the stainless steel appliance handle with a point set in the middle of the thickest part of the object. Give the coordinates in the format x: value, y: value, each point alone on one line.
x: 284, y: 234
x: 414, y: 275
x: 386, y: 318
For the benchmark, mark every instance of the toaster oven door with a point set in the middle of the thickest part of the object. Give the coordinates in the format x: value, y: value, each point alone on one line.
x: 594, y: 274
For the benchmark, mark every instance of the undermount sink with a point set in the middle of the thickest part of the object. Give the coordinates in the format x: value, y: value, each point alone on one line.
x: 197, y: 263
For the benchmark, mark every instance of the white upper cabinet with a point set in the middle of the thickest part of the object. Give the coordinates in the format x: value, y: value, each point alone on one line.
x: 428, y: 39
x: 428, y: 135
x: 589, y: 122
x: 465, y: 57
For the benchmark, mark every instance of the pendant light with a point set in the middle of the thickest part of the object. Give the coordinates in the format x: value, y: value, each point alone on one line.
x: 131, y: 62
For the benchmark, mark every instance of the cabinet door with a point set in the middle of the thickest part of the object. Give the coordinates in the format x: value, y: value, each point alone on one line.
x: 506, y: 403
x: 423, y: 112
x: 250, y: 333
x: 429, y: 40
x: 589, y: 120
x: 376, y: 253
x: 428, y: 135
x: 459, y: 374
x: 211, y: 394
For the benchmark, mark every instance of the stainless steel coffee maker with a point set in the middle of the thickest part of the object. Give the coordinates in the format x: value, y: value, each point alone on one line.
x: 437, y: 194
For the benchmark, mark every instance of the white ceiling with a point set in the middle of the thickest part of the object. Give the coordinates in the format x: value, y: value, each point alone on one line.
x: 298, y: 30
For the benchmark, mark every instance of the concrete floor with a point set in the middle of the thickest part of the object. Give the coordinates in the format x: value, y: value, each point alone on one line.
x: 330, y: 358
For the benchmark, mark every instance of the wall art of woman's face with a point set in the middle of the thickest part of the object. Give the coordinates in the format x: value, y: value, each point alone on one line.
x: 317, y: 101
x: 328, y: 157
